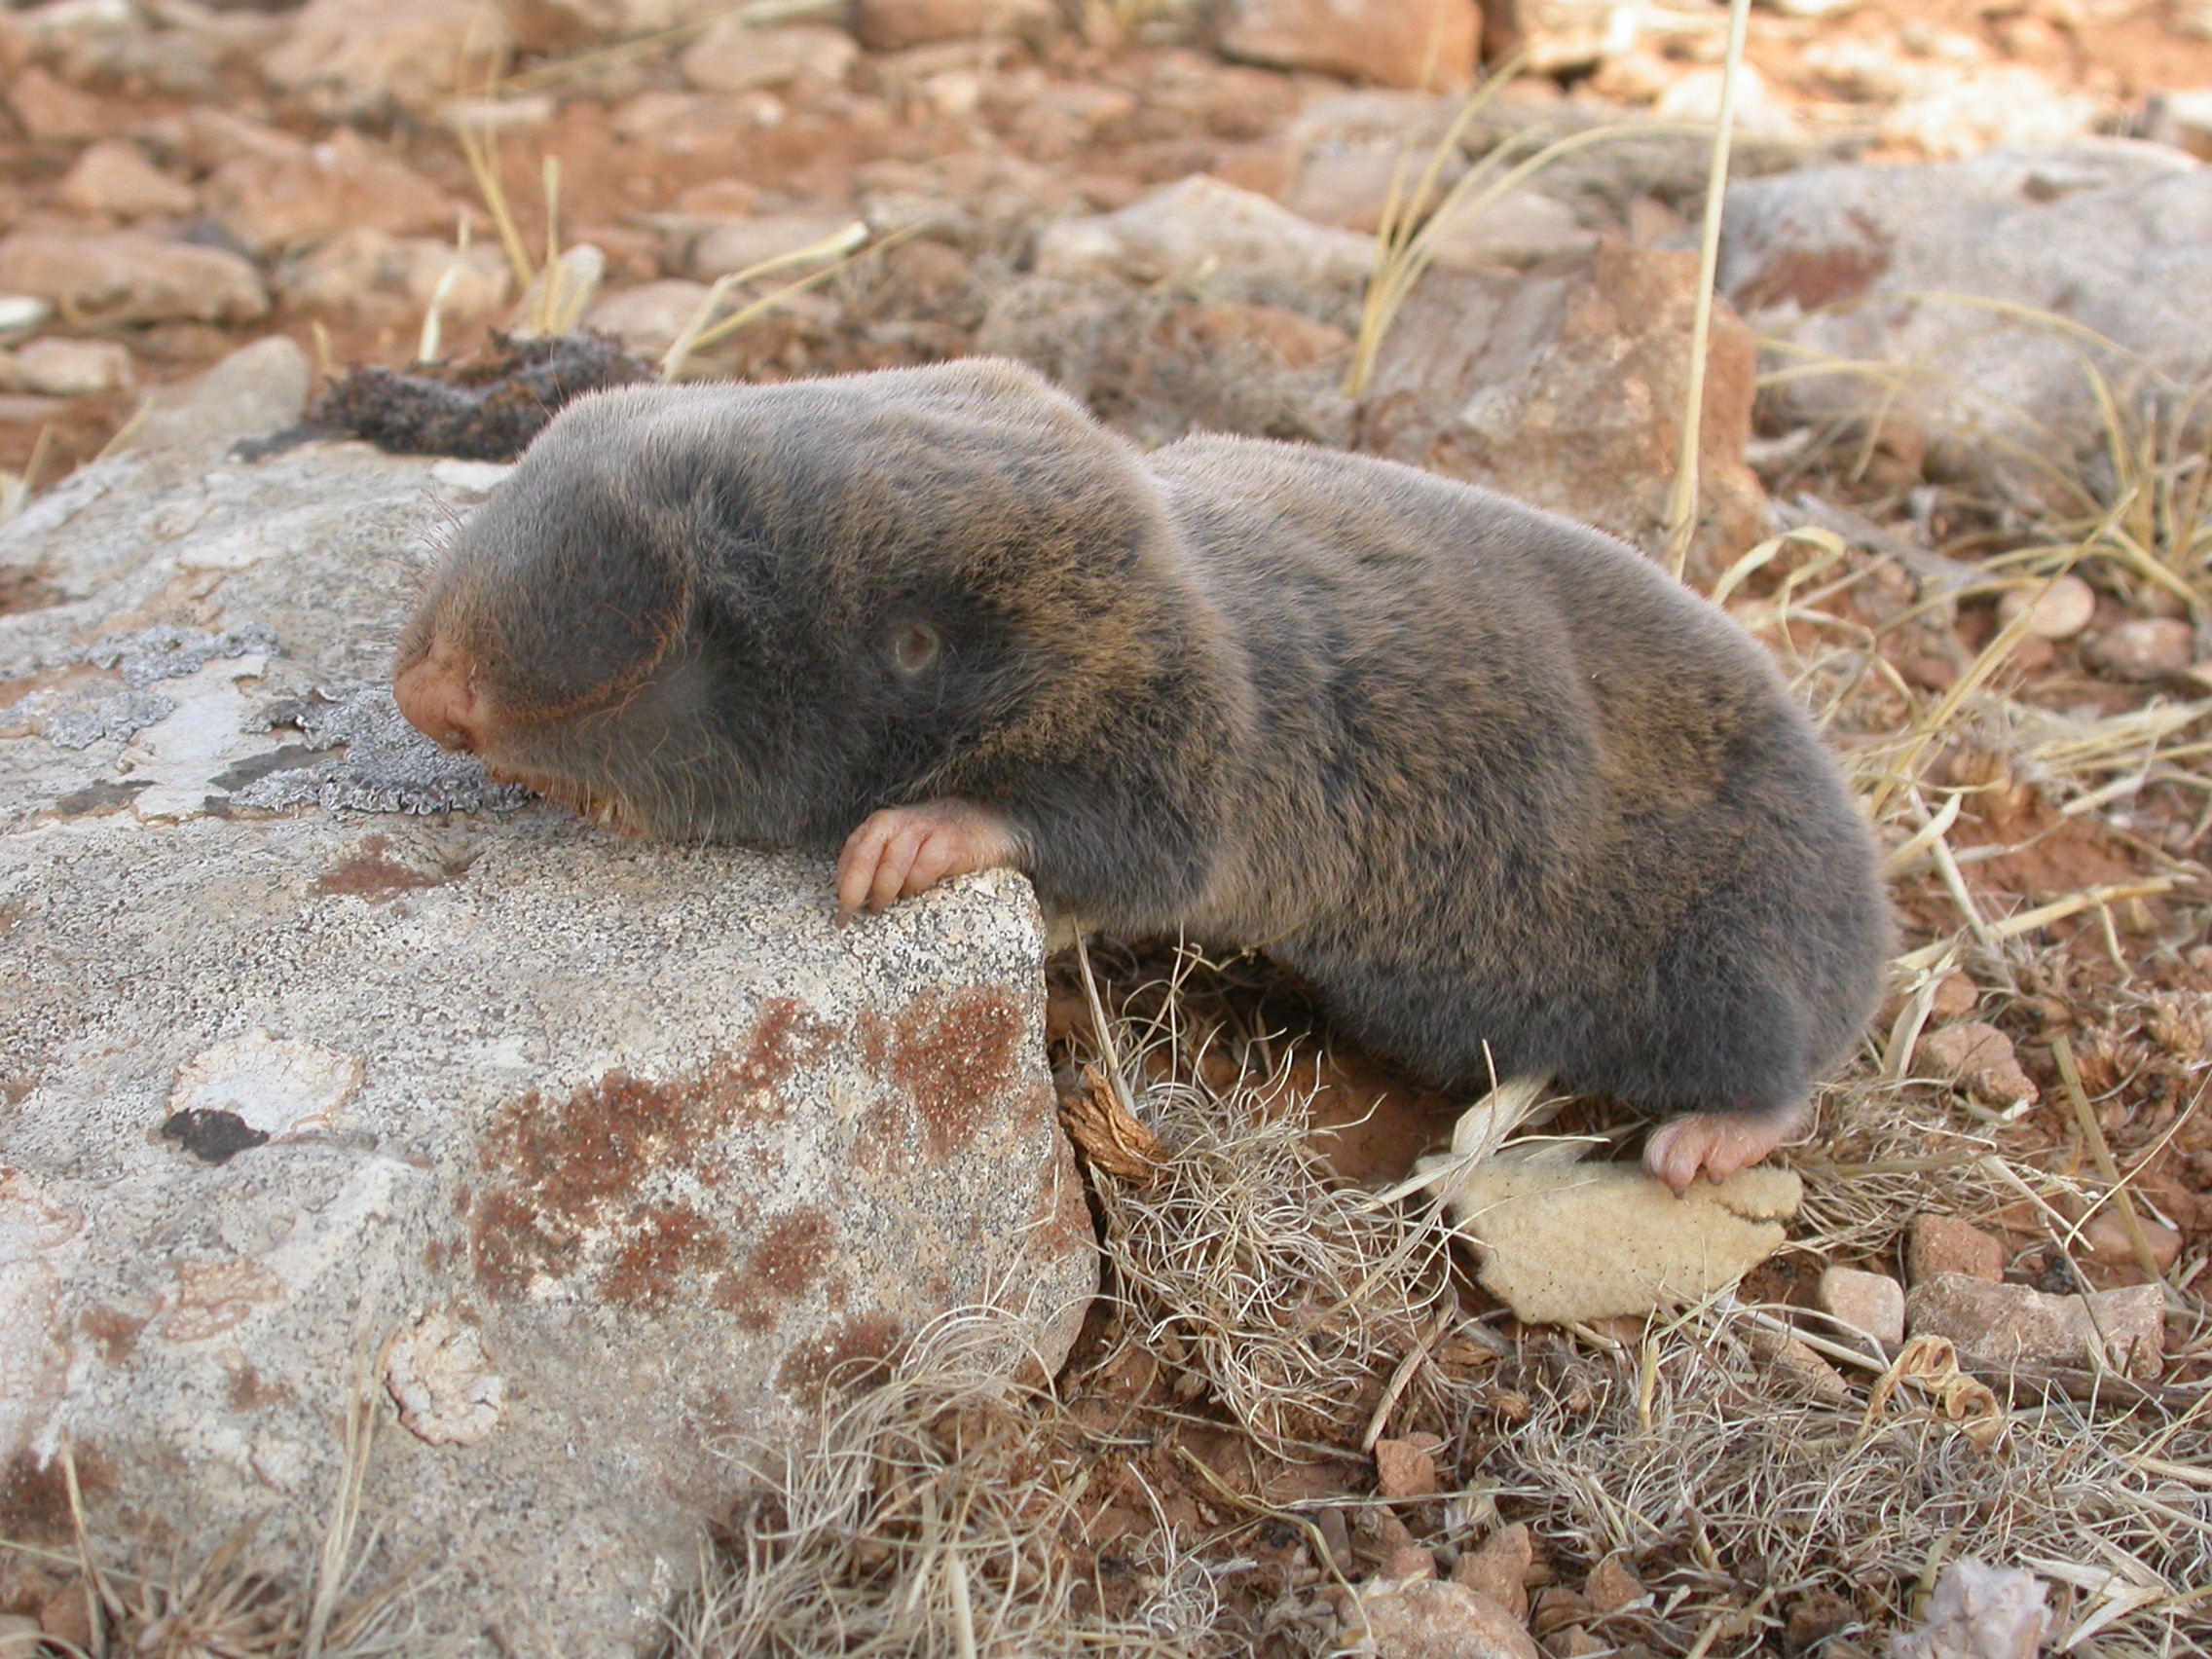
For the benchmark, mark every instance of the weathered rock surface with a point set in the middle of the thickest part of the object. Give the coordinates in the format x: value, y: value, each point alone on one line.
x: 365, y: 56
x: 1425, y: 1619
x: 893, y: 26
x: 2014, y: 1325
x: 1395, y: 43
x: 129, y: 277
x: 322, y: 1057
x: 731, y: 58
x: 1565, y: 387
x: 1201, y: 224
x: 1844, y: 261
x: 273, y: 201
x: 1584, y: 1241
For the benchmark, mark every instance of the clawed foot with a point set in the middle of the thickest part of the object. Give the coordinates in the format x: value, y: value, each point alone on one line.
x: 1717, y: 1144
x: 906, y: 850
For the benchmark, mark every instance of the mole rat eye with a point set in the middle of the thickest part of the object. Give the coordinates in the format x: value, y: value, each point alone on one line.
x: 914, y: 645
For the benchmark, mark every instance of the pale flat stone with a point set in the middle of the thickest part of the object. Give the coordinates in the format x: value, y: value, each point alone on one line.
x: 1575, y: 1243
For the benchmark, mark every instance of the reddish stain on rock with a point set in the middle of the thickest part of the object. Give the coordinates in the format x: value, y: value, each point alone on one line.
x: 852, y: 1353
x: 115, y: 1331
x: 372, y: 873
x: 670, y: 1239
x: 34, y: 1496
x: 578, y: 1186
x: 951, y: 1056
x: 1819, y: 276
x: 790, y: 1258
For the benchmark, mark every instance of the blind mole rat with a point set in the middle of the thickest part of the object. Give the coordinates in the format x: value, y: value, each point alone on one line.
x: 1476, y: 773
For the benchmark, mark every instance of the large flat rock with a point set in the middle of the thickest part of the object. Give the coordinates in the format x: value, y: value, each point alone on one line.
x: 326, y: 1065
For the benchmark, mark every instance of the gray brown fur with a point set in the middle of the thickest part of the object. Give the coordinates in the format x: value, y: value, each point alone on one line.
x: 1476, y: 773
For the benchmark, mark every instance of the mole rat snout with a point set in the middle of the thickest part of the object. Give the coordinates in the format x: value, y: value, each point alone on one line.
x: 437, y: 695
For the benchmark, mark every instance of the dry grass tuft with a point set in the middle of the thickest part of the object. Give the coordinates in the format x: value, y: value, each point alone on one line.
x: 927, y: 1517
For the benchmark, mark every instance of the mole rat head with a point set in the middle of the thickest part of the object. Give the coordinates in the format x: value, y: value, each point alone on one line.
x: 758, y: 613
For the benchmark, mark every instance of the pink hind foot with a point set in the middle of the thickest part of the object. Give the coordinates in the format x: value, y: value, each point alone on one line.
x: 1717, y: 1144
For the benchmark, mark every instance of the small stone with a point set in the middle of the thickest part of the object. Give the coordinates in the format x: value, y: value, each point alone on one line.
x: 1796, y: 1359
x: 126, y: 277
x: 19, y: 1637
x: 1403, y: 1469
x: 66, y: 1617
x: 1979, y: 1058
x: 1200, y: 223
x: 2003, y: 1325
x: 114, y: 177
x: 1945, y: 1244
x: 1554, y: 1607
x: 649, y: 317
x: 18, y: 312
x: 1388, y: 1533
x: 256, y: 389
x: 1499, y: 1569
x: 730, y: 57
x: 2110, y: 1244
x: 1575, y: 1643
x: 74, y: 368
x: 350, y: 57
x: 1394, y: 42
x: 2007, y: 108
x: 1611, y: 1586
x: 269, y: 203
x: 1956, y: 997
x: 1519, y: 229
x: 2143, y: 650
x: 1425, y: 1619
x: 1871, y: 1303
x: 893, y: 26
x: 55, y: 112
x: 1409, y: 1563
x: 2063, y: 611
x: 1814, y: 1617
x: 743, y: 243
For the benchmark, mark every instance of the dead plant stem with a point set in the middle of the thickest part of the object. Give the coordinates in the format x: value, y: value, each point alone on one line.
x: 1681, y: 507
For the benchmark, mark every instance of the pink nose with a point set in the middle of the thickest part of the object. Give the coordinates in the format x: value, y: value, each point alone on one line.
x: 434, y: 695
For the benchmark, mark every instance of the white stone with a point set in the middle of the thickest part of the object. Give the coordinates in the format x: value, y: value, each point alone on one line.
x: 75, y: 368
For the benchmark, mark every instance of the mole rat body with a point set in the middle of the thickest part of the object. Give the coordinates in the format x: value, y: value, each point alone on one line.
x: 1500, y: 791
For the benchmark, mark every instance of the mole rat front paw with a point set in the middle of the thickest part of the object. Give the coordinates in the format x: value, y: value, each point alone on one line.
x: 1717, y: 1144
x: 906, y: 850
